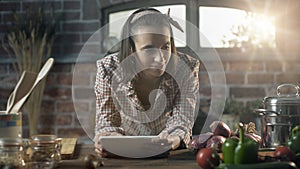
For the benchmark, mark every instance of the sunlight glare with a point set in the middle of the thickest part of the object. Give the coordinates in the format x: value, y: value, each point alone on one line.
x: 239, y: 28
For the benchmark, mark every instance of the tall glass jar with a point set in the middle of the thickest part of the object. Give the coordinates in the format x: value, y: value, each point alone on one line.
x: 12, y: 153
x: 44, y: 151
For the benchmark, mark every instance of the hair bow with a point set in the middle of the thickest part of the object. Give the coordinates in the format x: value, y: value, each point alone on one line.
x: 173, y: 22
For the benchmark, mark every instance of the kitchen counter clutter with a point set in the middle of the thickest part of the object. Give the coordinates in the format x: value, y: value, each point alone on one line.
x: 178, y: 159
x: 279, y: 157
x: 42, y: 152
x: 244, y: 148
x: 267, y: 158
x: 39, y: 151
x: 82, y: 156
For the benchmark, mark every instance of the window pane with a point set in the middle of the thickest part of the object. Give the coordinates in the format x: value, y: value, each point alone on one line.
x: 177, y: 12
x: 228, y: 27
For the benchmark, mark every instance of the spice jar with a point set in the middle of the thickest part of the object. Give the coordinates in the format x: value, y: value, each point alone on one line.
x: 12, y: 153
x: 44, y: 152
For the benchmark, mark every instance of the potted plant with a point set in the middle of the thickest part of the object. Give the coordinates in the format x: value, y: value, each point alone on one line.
x: 29, y: 42
x: 232, y: 111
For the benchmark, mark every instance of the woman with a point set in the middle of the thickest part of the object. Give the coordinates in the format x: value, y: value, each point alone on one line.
x: 147, y: 88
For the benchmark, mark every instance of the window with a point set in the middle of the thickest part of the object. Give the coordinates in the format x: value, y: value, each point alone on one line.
x: 177, y: 12
x: 222, y: 27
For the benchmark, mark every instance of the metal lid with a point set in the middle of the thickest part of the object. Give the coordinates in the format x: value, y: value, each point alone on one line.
x: 286, y: 98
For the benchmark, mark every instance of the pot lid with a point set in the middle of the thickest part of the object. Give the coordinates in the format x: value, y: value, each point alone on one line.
x: 284, y: 97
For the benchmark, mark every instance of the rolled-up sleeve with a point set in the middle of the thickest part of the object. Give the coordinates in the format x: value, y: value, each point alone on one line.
x: 182, y: 118
x: 107, y: 116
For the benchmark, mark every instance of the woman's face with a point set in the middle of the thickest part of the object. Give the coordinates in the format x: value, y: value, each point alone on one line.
x: 153, y: 50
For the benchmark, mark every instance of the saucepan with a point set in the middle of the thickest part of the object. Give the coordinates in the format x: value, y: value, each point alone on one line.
x: 280, y: 114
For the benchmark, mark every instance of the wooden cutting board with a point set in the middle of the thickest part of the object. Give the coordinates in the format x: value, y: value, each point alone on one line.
x: 68, y: 146
x: 261, y: 154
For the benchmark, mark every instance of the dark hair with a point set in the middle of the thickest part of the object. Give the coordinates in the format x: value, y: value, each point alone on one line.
x: 154, y: 18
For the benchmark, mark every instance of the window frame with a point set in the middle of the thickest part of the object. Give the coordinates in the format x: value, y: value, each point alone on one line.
x: 142, y: 3
x: 192, y: 16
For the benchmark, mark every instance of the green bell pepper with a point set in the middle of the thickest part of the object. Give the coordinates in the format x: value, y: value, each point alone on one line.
x: 228, y: 148
x: 294, y: 140
x: 246, y: 151
x: 243, y: 151
x: 295, y: 130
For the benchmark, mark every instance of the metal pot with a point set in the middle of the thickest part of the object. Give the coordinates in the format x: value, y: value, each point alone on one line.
x: 280, y: 114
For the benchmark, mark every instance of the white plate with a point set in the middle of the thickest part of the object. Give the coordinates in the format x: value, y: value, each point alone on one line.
x: 135, y: 146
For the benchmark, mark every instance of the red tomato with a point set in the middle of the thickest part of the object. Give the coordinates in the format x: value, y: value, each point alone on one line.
x: 284, y: 153
x: 207, y: 158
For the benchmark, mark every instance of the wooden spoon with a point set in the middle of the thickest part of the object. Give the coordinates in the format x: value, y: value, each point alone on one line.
x: 43, y: 72
x: 23, y: 86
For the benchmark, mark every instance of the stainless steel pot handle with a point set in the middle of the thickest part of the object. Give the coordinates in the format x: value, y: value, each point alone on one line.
x: 263, y: 112
x: 289, y: 85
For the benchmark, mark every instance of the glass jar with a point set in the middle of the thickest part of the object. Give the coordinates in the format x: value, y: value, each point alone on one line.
x: 12, y: 153
x: 44, y: 151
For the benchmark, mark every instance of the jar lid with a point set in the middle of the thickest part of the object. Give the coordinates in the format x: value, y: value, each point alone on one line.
x: 6, y: 142
x: 43, y: 139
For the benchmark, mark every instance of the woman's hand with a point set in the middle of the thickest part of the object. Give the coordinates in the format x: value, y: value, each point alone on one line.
x: 100, y: 151
x: 173, y: 139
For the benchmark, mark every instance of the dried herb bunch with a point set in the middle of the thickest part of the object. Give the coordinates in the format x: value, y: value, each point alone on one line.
x: 29, y: 42
x: 30, y: 38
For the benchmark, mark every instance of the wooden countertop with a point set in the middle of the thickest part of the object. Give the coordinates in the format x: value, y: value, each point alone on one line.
x: 175, y: 160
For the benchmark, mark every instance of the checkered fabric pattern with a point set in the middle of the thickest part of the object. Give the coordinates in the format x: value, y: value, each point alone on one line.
x: 119, y: 109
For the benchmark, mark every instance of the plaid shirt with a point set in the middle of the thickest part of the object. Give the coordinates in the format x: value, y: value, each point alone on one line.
x: 118, y: 108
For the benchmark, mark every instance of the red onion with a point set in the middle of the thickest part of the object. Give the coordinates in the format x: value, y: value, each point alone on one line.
x: 216, y: 142
x: 199, y: 141
x: 220, y: 128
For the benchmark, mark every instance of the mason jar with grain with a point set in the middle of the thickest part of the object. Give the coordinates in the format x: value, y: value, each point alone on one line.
x: 12, y: 153
x: 44, y: 152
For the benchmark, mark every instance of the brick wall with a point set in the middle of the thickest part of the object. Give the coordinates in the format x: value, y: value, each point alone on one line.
x: 79, y: 19
x: 247, y: 79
